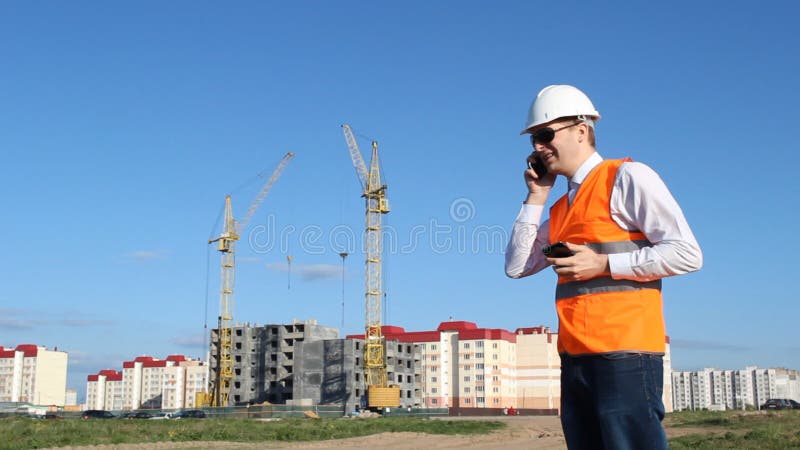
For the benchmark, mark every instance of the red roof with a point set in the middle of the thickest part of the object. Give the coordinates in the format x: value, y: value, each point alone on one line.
x: 28, y: 350
x: 110, y: 374
x: 466, y: 331
x: 149, y: 361
x: 457, y: 326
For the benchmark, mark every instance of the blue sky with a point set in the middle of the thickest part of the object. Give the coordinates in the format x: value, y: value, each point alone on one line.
x: 123, y: 126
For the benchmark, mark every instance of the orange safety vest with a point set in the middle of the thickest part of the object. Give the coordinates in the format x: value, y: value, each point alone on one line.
x: 603, y: 315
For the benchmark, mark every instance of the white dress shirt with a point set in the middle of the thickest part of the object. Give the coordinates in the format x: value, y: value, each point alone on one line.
x: 640, y: 201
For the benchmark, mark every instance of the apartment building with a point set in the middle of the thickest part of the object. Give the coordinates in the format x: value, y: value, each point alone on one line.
x: 716, y: 389
x: 462, y: 365
x: 538, y: 369
x: 264, y: 359
x: 104, y: 390
x: 33, y: 374
x: 148, y: 382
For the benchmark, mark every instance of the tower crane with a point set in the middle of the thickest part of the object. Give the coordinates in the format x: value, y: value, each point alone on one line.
x: 220, y: 386
x: 379, y: 393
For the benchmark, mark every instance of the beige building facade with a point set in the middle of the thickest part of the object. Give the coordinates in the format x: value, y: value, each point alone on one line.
x: 538, y: 369
x: 33, y: 374
x: 464, y: 366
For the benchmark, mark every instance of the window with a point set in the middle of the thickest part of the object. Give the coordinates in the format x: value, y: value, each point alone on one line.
x: 434, y: 401
x: 466, y: 344
x: 479, y: 366
x: 494, y: 356
x: 480, y: 400
x: 433, y: 379
x: 466, y: 379
x: 467, y: 401
x: 479, y: 344
x: 434, y: 369
x: 434, y: 390
x: 479, y: 355
x: 494, y: 345
x: 433, y: 346
x: 478, y: 377
x: 495, y: 378
x: 478, y: 388
x: 466, y: 390
x: 467, y: 367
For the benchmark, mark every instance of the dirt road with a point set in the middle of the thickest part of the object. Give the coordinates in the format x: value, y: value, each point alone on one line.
x: 522, y: 433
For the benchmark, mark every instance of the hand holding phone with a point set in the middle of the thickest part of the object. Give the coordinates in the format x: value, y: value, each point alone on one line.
x: 557, y: 250
x: 535, y: 163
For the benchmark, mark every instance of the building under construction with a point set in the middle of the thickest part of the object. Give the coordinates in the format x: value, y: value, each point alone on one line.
x: 332, y: 372
x: 307, y: 362
x: 264, y: 359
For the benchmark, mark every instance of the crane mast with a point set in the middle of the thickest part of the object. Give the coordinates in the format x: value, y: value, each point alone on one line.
x: 226, y: 244
x: 220, y: 386
x: 379, y: 393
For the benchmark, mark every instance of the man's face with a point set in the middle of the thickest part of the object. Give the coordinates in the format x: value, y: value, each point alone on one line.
x: 561, y: 154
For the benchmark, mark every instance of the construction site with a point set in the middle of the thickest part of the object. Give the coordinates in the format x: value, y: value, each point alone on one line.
x: 458, y: 365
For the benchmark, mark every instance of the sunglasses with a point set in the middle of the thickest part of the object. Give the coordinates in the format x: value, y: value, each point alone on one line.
x: 546, y: 135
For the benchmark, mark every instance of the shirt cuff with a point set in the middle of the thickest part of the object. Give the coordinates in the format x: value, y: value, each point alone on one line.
x: 620, y: 266
x: 530, y: 213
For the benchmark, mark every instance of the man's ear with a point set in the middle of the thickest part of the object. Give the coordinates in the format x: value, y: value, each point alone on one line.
x: 583, y: 132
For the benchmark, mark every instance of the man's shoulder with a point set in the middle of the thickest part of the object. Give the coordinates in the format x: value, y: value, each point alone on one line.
x: 635, y: 169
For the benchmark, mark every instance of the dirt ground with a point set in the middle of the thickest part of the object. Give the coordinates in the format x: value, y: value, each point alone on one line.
x: 531, y: 432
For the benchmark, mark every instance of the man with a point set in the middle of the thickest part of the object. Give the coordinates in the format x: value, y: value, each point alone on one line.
x: 625, y: 232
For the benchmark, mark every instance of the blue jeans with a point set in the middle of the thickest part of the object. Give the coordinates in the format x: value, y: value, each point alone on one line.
x: 612, y: 401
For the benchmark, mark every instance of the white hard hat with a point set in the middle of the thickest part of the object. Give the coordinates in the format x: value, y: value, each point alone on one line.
x: 557, y: 101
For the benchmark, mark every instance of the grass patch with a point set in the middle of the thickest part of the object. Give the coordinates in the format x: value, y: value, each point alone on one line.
x: 25, y: 433
x: 742, y: 430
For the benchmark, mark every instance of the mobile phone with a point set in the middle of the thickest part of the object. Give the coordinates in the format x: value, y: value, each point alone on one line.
x: 557, y: 250
x: 535, y: 163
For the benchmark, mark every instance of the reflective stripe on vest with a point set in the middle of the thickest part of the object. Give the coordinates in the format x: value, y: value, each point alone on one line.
x: 603, y: 315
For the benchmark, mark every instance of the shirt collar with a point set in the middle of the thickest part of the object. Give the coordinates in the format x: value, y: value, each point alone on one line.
x: 587, y: 166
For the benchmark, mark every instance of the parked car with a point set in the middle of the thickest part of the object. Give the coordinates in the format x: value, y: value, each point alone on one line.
x: 97, y: 414
x: 189, y: 414
x: 795, y: 405
x: 777, y: 403
x: 136, y: 415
